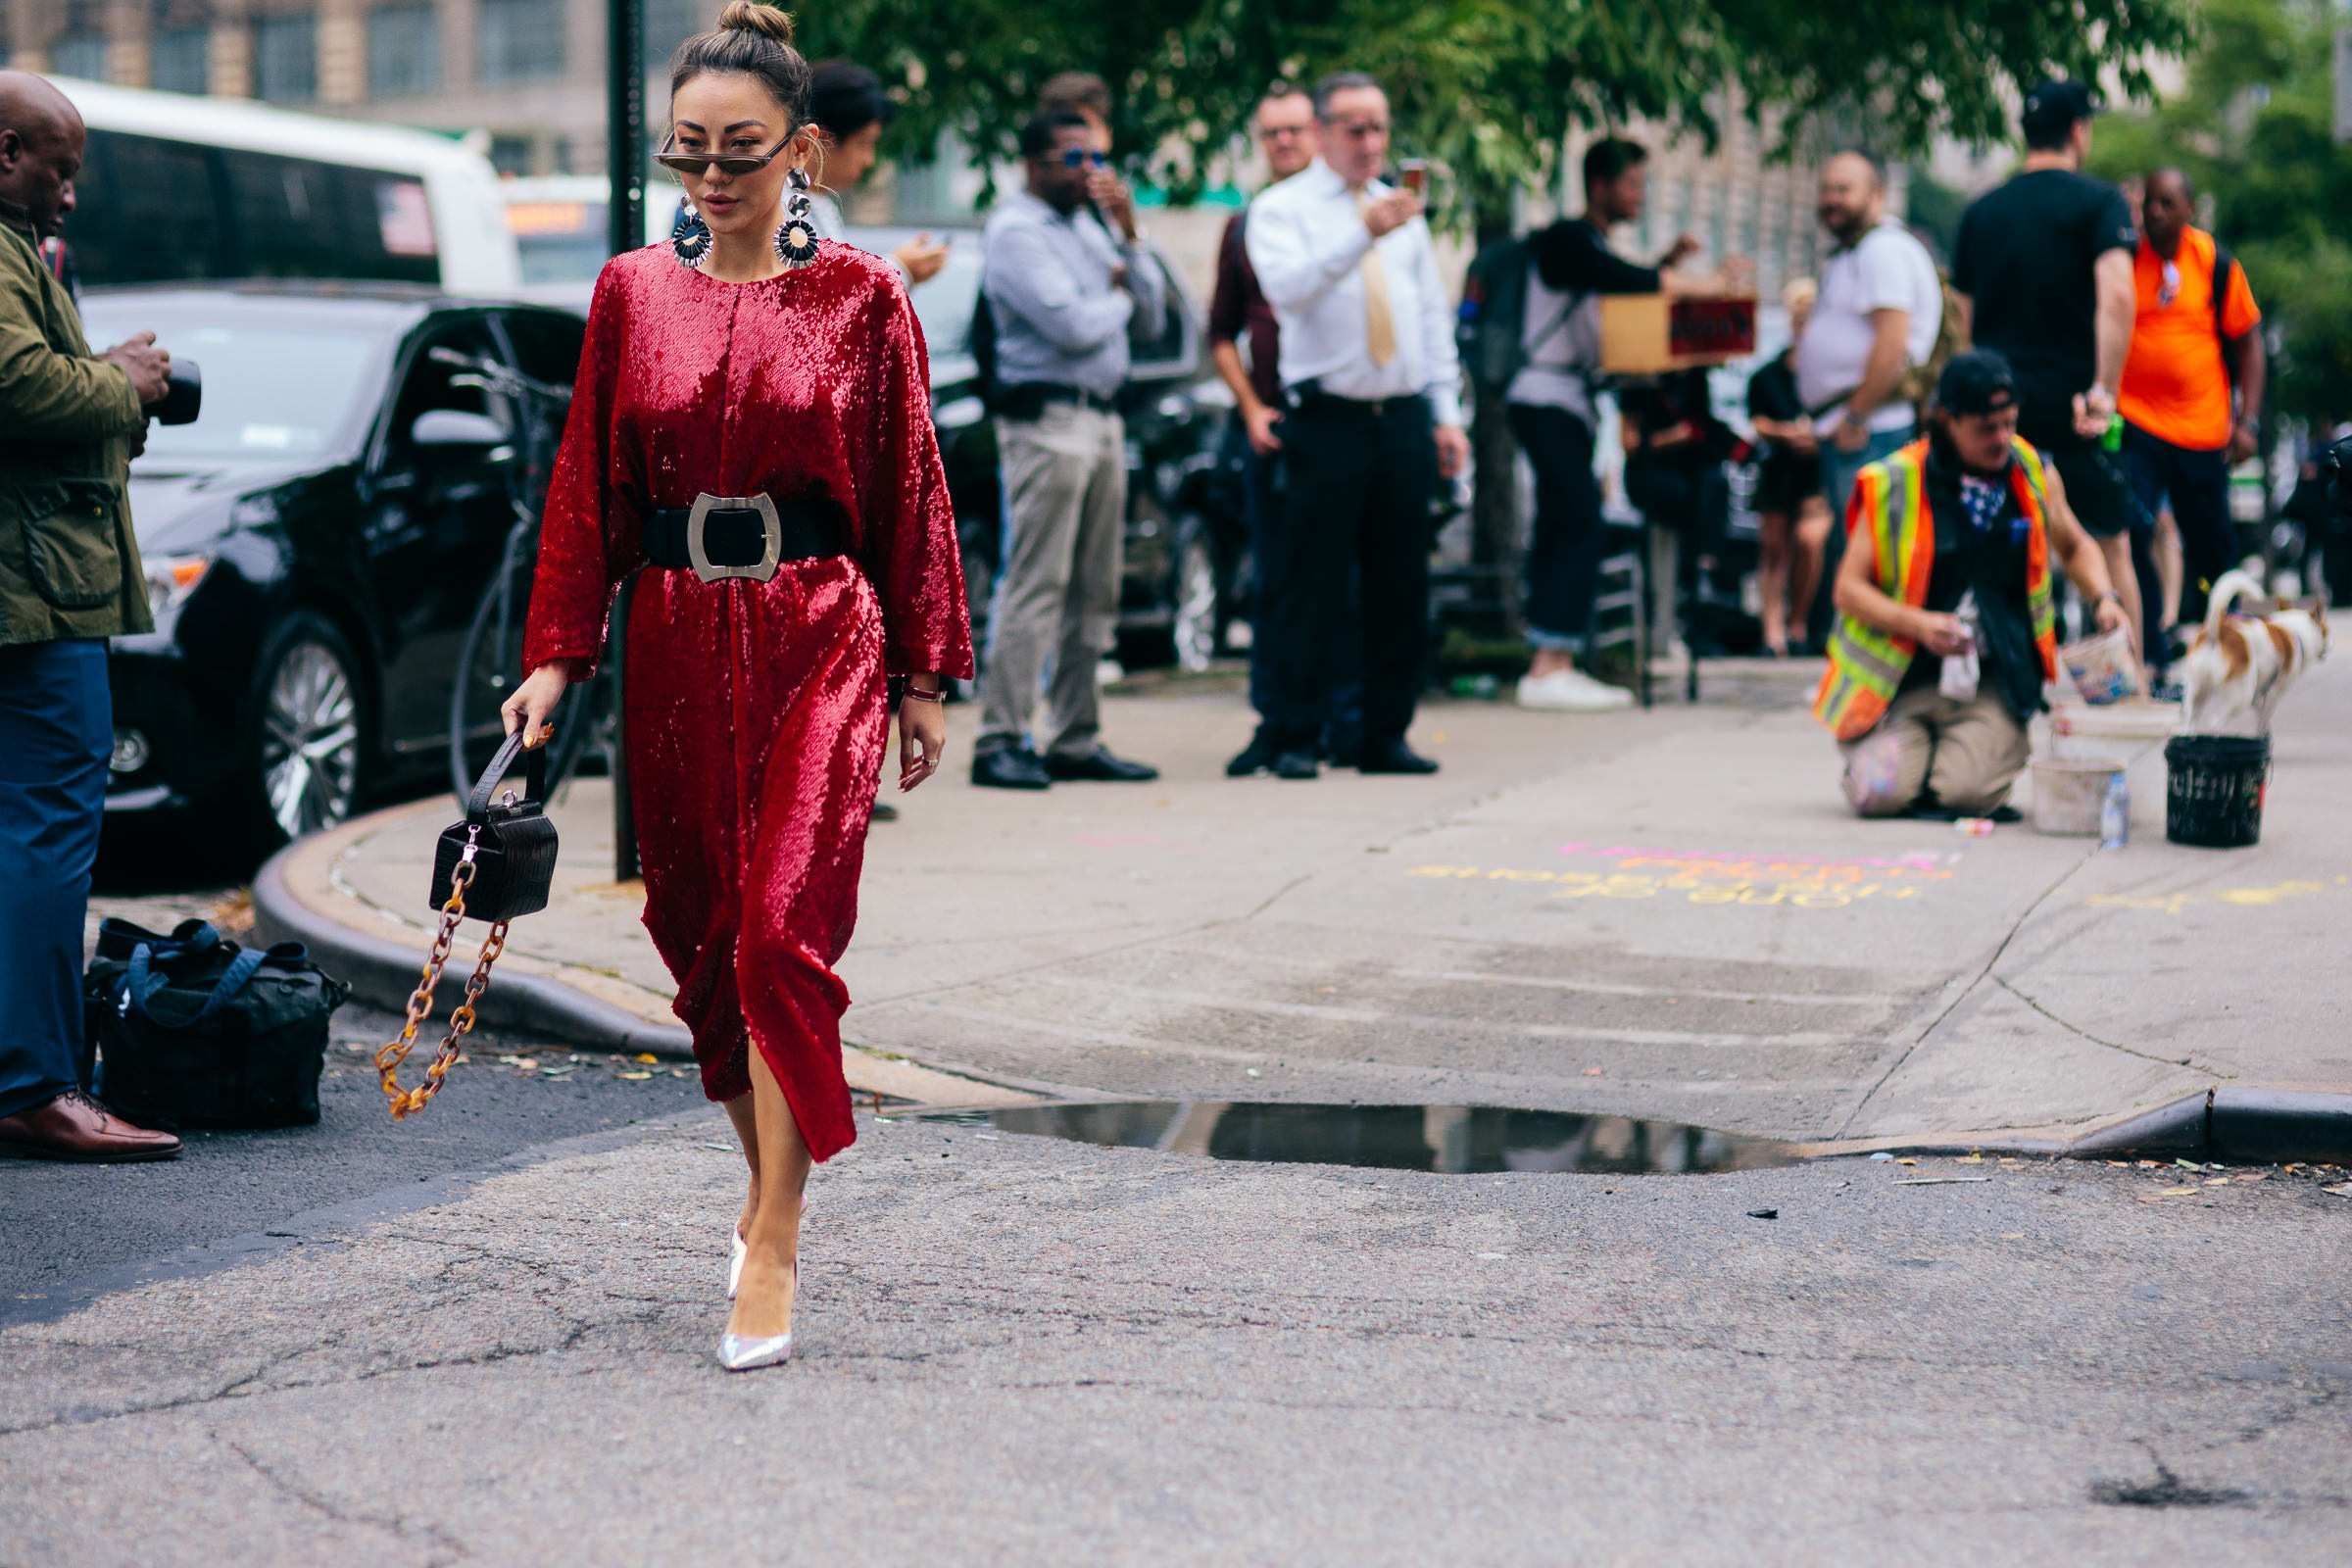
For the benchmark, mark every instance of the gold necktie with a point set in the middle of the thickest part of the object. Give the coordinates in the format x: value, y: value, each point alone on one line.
x: 1380, y: 327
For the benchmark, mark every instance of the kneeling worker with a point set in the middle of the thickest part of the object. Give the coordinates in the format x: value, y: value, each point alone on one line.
x: 1946, y: 627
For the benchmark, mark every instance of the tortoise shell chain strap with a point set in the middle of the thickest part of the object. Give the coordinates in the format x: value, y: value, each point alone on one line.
x: 406, y: 1101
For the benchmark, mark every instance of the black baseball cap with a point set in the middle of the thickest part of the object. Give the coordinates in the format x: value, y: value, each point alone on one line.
x: 1976, y: 382
x: 2055, y: 105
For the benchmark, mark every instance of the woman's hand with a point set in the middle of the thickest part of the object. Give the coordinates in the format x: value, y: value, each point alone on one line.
x: 922, y: 732
x: 536, y: 699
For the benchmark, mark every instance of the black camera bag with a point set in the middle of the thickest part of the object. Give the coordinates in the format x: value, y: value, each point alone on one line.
x: 512, y: 844
x: 192, y: 1029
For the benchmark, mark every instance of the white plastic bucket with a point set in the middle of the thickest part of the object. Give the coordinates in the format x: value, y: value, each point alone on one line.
x: 2103, y: 669
x: 2118, y: 732
x: 2068, y: 795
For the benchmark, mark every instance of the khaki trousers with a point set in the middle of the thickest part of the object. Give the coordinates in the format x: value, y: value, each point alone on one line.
x: 1968, y: 754
x: 1065, y: 477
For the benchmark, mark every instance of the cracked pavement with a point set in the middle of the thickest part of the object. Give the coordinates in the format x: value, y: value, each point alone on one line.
x: 1015, y: 1350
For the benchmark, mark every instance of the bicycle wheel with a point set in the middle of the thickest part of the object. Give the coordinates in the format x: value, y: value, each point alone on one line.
x: 490, y: 667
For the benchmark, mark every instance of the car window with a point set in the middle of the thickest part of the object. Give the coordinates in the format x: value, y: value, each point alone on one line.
x: 547, y: 344
x: 1167, y: 352
x: 144, y: 212
x: 268, y: 390
x: 299, y: 217
x: 430, y: 383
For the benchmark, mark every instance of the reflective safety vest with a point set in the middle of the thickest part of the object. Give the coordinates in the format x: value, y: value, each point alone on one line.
x: 1890, y: 512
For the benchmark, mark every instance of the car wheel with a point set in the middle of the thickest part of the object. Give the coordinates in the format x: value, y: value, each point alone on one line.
x: 1197, y: 624
x: 309, y: 738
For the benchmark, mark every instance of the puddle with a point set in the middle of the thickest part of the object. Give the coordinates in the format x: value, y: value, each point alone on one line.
x: 1456, y: 1140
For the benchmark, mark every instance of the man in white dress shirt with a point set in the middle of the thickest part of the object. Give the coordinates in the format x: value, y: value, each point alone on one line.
x: 1369, y: 365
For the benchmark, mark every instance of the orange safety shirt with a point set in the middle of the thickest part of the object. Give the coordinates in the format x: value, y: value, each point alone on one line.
x: 2176, y: 384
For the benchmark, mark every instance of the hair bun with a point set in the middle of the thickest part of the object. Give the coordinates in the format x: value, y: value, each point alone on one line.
x: 750, y: 15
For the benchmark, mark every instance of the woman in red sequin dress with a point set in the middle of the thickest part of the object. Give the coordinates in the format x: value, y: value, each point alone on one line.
x: 758, y: 363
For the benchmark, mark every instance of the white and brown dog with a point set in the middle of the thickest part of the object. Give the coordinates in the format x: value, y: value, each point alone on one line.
x: 2241, y: 665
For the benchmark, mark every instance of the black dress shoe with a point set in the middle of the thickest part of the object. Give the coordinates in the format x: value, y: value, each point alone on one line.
x: 1099, y: 767
x: 1259, y: 757
x: 1392, y: 756
x: 1009, y: 767
x: 1299, y: 761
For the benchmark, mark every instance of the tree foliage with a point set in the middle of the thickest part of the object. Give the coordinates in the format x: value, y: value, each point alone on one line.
x: 1487, y: 87
x: 2254, y: 129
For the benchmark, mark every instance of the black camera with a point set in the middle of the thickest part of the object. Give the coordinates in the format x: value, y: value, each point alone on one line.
x: 184, y: 395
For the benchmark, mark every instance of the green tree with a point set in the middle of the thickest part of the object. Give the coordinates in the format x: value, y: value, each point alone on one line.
x: 1487, y: 87
x: 2254, y: 129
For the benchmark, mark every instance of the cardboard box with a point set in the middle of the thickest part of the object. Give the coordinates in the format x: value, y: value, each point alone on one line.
x: 1648, y: 334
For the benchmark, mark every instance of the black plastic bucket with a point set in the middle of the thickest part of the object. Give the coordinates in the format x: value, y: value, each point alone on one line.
x: 2214, y: 789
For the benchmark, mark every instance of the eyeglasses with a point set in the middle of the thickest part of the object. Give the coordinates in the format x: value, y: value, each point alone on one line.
x: 1360, y: 128
x: 1079, y: 158
x: 729, y: 163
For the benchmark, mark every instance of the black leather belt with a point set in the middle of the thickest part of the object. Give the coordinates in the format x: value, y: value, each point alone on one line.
x: 742, y: 536
x: 1027, y: 400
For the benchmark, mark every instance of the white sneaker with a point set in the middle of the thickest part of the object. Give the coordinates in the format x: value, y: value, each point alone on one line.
x: 1572, y: 691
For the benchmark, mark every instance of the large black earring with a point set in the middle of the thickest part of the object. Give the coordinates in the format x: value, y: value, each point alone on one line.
x: 689, y: 236
x: 796, y: 240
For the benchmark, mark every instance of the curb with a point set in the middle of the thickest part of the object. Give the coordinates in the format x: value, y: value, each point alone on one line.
x: 384, y: 973
x: 2237, y: 1125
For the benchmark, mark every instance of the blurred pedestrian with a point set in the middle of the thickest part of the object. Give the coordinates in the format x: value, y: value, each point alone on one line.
x: 2192, y: 388
x: 1947, y: 630
x: 1876, y: 316
x: 799, y: 558
x: 1552, y: 411
x: 70, y: 578
x: 1237, y: 311
x: 1064, y: 291
x: 1370, y: 373
x: 1792, y: 516
x: 2043, y: 268
x: 846, y: 111
x: 1083, y: 94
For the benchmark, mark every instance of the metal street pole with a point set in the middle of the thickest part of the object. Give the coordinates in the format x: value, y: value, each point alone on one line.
x: 624, y: 164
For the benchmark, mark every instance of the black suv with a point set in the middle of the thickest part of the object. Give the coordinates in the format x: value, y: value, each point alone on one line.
x: 1187, y: 558
x: 317, y: 542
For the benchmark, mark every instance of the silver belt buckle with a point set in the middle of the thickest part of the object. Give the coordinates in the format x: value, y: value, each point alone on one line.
x: 699, y: 557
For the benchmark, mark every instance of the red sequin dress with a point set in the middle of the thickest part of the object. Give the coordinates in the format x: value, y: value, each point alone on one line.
x: 754, y: 711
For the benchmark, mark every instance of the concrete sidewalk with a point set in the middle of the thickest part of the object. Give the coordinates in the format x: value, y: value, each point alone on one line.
x: 1666, y: 914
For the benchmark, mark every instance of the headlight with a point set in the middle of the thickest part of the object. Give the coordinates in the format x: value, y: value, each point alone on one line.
x: 171, y: 578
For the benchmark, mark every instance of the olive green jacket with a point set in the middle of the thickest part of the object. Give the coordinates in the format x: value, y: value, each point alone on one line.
x: 68, y: 561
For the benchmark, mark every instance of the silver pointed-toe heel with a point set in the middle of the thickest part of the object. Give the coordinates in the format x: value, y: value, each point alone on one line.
x: 738, y: 1352
x: 737, y: 1249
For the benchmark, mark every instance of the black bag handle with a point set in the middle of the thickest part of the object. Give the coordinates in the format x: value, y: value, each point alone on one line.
x: 477, y: 804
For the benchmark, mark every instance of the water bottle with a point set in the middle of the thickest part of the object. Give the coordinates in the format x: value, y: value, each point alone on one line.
x: 2115, y: 813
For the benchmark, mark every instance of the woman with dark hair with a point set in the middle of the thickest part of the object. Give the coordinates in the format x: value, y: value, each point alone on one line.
x: 846, y: 111
x: 752, y: 427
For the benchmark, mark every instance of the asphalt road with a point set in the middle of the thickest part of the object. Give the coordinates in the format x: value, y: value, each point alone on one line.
x: 62, y: 1225
x: 1014, y: 1350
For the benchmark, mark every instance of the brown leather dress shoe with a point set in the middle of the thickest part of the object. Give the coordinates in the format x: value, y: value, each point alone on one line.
x: 73, y: 1126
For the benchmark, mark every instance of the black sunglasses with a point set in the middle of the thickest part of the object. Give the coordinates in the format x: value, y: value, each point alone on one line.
x: 1079, y: 158
x: 731, y: 164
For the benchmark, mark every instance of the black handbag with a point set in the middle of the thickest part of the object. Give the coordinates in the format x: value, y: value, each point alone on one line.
x: 496, y: 864
x: 510, y: 843
x: 192, y: 1029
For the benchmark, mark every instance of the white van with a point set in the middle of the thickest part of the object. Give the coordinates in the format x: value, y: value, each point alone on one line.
x: 560, y: 228
x: 176, y: 188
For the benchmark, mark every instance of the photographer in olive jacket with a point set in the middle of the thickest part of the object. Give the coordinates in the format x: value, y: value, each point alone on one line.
x: 70, y: 578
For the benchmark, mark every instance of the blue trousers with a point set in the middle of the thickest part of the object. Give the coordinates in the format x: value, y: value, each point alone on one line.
x: 57, y: 727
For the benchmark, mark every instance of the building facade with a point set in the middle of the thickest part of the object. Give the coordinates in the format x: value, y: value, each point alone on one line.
x: 529, y: 74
